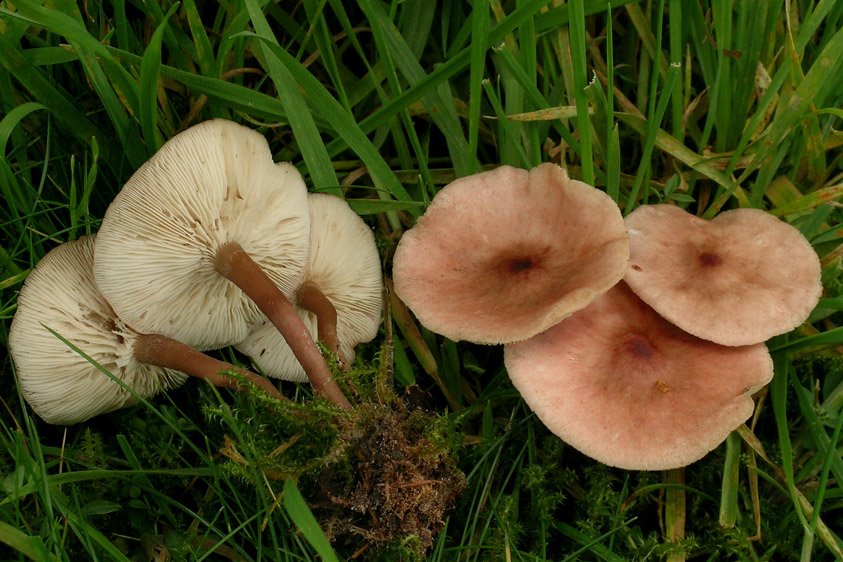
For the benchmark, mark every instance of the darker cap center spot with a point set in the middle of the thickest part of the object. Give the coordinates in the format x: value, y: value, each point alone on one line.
x: 639, y: 348
x: 517, y: 265
x: 708, y: 259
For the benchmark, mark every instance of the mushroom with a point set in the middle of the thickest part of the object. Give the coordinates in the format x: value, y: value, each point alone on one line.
x: 739, y: 279
x: 62, y: 386
x: 206, y: 238
x: 341, y: 297
x: 501, y: 255
x: 629, y: 389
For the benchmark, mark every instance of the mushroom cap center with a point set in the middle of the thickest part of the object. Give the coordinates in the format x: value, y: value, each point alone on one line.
x: 621, y: 384
x: 523, y: 261
x: 710, y: 259
x: 516, y: 265
x: 638, y: 347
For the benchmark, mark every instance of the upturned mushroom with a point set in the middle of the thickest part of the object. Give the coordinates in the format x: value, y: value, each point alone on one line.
x: 739, y: 279
x: 205, y: 239
x: 61, y: 385
x: 626, y: 387
x: 502, y: 255
x: 341, y: 297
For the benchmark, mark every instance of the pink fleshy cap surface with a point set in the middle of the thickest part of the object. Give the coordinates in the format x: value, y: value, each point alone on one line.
x: 739, y: 279
x: 501, y: 255
x: 627, y: 388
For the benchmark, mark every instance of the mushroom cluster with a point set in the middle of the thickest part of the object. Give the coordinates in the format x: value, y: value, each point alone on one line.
x: 641, y: 350
x: 208, y: 242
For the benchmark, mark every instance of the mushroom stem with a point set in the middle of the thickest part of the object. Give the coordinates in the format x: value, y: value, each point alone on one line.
x: 233, y: 263
x: 166, y: 352
x: 310, y: 298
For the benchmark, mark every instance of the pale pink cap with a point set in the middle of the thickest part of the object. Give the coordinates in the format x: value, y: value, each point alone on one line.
x: 739, y: 279
x: 627, y: 388
x: 500, y: 256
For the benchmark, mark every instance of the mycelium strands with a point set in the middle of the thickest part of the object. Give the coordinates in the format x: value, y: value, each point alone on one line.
x: 205, y: 239
x: 739, y: 279
x: 61, y: 385
x: 342, y: 289
x: 500, y: 256
x: 629, y: 389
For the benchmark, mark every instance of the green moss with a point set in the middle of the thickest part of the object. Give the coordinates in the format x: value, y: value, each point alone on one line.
x: 382, y: 474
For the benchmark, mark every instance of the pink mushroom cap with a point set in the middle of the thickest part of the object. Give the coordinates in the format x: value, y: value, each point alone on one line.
x: 627, y: 388
x: 739, y: 279
x: 501, y: 255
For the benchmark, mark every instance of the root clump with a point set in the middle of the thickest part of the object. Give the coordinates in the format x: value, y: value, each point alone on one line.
x: 399, y: 483
x: 381, y: 478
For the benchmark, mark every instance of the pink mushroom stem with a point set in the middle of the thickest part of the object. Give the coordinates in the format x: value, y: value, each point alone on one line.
x: 232, y: 262
x: 166, y: 352
x: 311, y: 298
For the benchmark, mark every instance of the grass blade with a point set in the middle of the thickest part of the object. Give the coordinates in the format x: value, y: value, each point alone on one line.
x: 652, y: 133
x: 667, y: 143
x: 504, y: 124
x: 447, y: 70
x: 303, y: 518
x: 346, y: 127
x: 674, y: 510
x: 148, y: 92
x: 809, y: 201
x: 797, y: 106
x: 33, y: 79
x: 204, y: 51
x: 30, y: 546
x: 577, y: 31
x: 778, y: 393
x: 309, y: 141
x: 480, y: 31
x: 729, y: 493
x: 374, y: 206
x: 438, y: 102
x: 13, y: 118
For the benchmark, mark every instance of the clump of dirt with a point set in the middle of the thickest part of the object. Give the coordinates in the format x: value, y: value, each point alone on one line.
x: 380, y: 478
x: 398, y: 482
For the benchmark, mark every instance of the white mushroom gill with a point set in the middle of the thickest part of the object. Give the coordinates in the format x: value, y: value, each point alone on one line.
x: 180, y: 233
x: 213, y: 184
x: 344, y: 265
x: 271, y: 353
x: 61, y: 385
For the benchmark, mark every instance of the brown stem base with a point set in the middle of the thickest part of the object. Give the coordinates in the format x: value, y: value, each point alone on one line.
x: 166, y: 352
x: 310, y: 298
x: 234, y: 264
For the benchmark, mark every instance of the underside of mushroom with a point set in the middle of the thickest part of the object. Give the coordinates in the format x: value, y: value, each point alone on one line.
x: 207, y: 240
x: 341, y: 298
x: 63, y: 386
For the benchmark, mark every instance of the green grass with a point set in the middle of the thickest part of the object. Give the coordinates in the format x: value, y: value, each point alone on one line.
x: 711, y: 104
